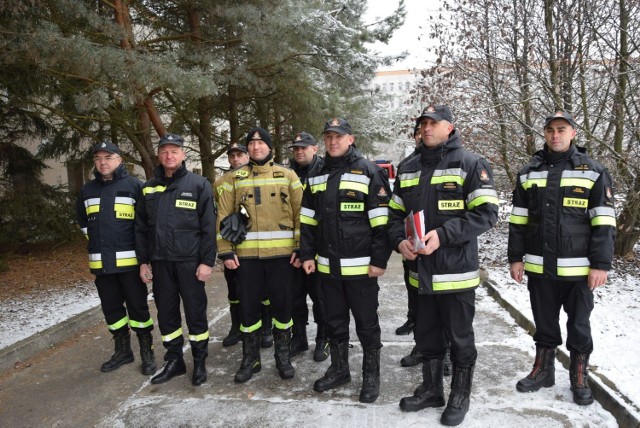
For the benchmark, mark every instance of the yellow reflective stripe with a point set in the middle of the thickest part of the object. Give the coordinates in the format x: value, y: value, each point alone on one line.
x: 575, y: 203
x: 519, y: 216
x: 91, y: 209
x: 124, y: 211
x: 119, y: 324
x: 282, y: 326
x: 171, y: 336
x: 540, y: 182
x: 533, y: 263
x: 409, y: 183
x: 447, y: 179
x: 602, y: 216
x: 139, y: 324
x: 574, y: 266
x: 576, y: 182
x: 271, y: 243
x: 156, y: 189
x: 324, y: 269
x: 352, y: 185
x: 266, y: 302
x: 308, y: 220
x: 414, y: 279
x: 603, y: 221
x: 199, y: 337
x: 251, y: 328
x: 95, y: 261
x: 395, y: 206
x: 259, y: 182
x: 379, y: 221
x: 319, y: 188
x: 126, y: 258
x: 234, y: 302
x: 296, y: 184
x: 455, y: 281
x: 354, y: 270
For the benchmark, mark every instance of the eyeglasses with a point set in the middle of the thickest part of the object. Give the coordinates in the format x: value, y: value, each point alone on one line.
x: 105, y: 158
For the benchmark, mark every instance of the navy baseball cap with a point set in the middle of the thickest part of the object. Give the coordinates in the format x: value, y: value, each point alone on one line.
x: 436, y: 112
x: 303, y: 139
x: 236, y: 147
x: 341, y: 126
x: 560, y: 115
x: 174, y: 139
x: 106, y: 146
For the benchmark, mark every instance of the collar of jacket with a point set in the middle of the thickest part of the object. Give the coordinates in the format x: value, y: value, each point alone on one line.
x: 118, y: 173
x: 351, y: 156
x: 439, y: 152
x: 268, y: 160
x: 303, y: 171
x: 158, y: 172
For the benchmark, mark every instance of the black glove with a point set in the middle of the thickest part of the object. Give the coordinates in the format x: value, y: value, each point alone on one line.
x: 233, y: 228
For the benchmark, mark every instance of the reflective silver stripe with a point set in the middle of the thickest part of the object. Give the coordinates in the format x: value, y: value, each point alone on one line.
x: 358, y: 261
x: 536, y: 260
x: 398, y: 200
x: 591, y: 175
x: 319, y: 179
x: 481, y: 192
x: 409, y: 176
x: 524, y: 212
x: 307, y: 212
x: 450, y: 171
x: 456, y: 276
x: 378, y: 212
x: 323, y: 261
x: 91, y: 201
x: 357, y: 178
x: 125, y: 254
x: 573, y: 262
x: 604, y: 211
x: 96, y: 257
x: 280, y: 234
x: 125, y: 200
x: 85, y: 230
x: 534, y: 175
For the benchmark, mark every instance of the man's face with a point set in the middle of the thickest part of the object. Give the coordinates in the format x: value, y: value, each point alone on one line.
x: 558, y: 135
x: 434, y: 132
x: 237, y: 158
x: 303, y: 155
x: 337, y: 144
x: 106, y: 163
x: 171, y: 157
x: 258, y: 150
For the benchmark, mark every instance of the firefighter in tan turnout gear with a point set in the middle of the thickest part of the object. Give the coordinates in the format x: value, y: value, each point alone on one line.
x: 561, y: 234
x: 106, y: 213
x: 258, y: 234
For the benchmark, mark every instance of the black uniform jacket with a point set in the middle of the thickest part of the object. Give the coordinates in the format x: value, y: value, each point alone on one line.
x: 344, y: 217
x: 106, y: 215
x: 454, y: 189
x: 563, y: 220
x: 176, y: 219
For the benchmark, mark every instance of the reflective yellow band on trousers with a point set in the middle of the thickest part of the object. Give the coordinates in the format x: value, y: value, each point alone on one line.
x: 251, y: 328
x: 171, y: 336
x: 119, y: 324
x: 199, y: 337
x: 138, y: 324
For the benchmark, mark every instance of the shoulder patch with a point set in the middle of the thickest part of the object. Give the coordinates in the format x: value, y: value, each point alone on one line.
x: 484, y: 176
x: 382, y: 193
x: 608, y: 192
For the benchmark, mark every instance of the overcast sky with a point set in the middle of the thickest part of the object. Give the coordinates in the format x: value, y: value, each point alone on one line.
x: 410, y: 36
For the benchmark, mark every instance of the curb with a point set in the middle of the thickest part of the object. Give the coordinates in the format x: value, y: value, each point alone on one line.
x: 603, y: 390
x: 48, y: 338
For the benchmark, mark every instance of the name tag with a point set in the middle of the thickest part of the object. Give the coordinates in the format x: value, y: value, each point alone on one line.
x: 575, y: 202
x: 190, y: 205
x: 352, y: 206
x: 450, y: 205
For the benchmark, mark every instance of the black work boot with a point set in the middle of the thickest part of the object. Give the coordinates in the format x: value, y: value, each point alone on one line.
x: 578, y: 374
x: 370, y: 376
x: 266, y: 338
x: 543, y: 373
x: 413, y: 359
x: 406, y: 328
x: 173, y: 367
x: 321, y: 352
x: 145, y: 340
x: 200, y: 351
x: 234, y: 331
x: 250, y: 357
x: 299, y: 338
x: 458, y: 404
x: 282, y: 342
x: 123, y: 353
x: 338, y: 372
x: 430, y: 392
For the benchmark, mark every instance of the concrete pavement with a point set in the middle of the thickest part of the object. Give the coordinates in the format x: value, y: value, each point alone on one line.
x: 62, y: 385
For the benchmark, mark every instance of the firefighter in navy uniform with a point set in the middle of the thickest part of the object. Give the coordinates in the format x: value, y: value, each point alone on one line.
x: 265, y: 197
x: 106, y: 213
x: 561, y: 234
x: 175, y: 242
x: 306, y: 163
x: 454, y: 189
x: 344, y: 223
